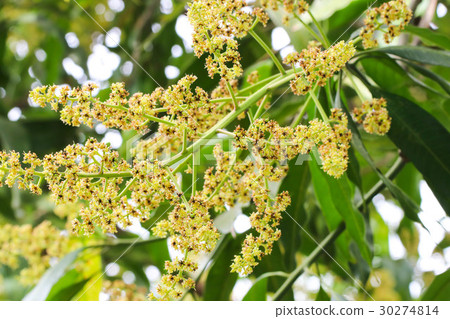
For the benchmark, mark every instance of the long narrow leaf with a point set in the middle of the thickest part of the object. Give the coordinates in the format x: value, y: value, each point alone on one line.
x: 51, y: 277
x: 423, y: 141
x: 409, y: 206
x: 439, y: 290
x: 341, y: 196
x: 419, y: 54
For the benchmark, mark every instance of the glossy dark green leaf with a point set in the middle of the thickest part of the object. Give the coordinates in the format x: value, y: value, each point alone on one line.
x: 328, y: 208
x: 408, y: 180
x: 419, y: 54
x: 439, y: 290
x: 296, y: 183
x: 55, y: 53
x: 341, y: 197
x: 422, y: 140
x: 324, y: 197
x: 354, y: 170
x: 387, y: 74
x: 430, y: 37
x: 409, y: 206
x: 340, y: 23
x: 51, y: 277
x: 322, y: 295
x: 220, y: 281
x: 258, y: 291
x: 432, y: 75
x: 67, y: 287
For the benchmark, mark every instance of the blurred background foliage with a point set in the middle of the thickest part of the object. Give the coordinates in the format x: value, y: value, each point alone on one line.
x: 49, y: 41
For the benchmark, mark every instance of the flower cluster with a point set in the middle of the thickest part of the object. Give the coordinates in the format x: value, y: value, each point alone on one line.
x: 333, y: 142
x: 317, y: 66
x: 374, y: 116
x: 118, y: 290
x: 192, y: 113
x: 75, y: 174
x: 172, y: 284
x: 94, y: 175
x: 297, y: 6
x: 232, y: 180
x: 12, y: 171
x: 39, y: 246
x: 392, y: 16
x: 190, y: 110
x: 284, y: 143
x: 265, y: 221
x: 217, y: 24
x: 79, y: 106
x: 192, y: 232
x: 225, y: 183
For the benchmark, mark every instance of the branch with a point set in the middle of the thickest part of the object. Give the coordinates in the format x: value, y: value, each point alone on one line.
x: 268, y: 50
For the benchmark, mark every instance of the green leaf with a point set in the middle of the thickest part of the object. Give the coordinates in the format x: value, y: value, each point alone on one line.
x: 51, y: 277
x: 435, y: 106
x: 430, y: 37
x: 67, y: 287
x: 418, y: 54
x: 410, y: 208
x: 341, y: 196
x: 92, y: 268
x: 408, y: 180
x: 324, y: 197
x: 264, y: 69
x: 387, y: 74
x: 439, y: 290
x: 220, y: 280
x: 354, y: 170
x: 258, y: 291
x: 296, y: 183
x: 422, y: 140
x: 13, y: 136
x: 328, y: 208
x: 55, y: 53
x: 341, y: 22
x: 432, y: 75
x: 322, y: 295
